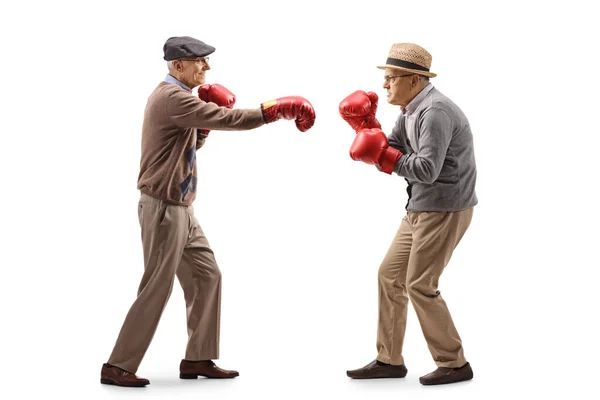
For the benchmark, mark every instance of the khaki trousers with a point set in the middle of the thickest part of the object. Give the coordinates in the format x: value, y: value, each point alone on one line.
x: 411, y: 269
x: 174, y: 244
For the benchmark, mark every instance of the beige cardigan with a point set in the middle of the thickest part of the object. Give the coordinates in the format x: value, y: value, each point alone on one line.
x: 170, y: 140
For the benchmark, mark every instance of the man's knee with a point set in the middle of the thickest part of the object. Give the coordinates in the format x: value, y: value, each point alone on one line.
x: 420, y: 288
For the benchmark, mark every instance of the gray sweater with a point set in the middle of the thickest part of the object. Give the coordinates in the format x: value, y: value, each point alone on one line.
x: 438, y: 159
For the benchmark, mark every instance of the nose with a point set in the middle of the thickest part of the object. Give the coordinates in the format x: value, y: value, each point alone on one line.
x: 206, y: 66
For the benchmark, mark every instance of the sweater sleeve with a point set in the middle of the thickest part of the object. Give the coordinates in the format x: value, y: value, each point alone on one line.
x: 435, y: 133
x: 188, y: 111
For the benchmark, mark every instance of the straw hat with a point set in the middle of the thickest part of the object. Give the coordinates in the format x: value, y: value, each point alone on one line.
x: 409, y: 57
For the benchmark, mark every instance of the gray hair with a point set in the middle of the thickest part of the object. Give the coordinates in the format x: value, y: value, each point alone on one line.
x: 170, y: 64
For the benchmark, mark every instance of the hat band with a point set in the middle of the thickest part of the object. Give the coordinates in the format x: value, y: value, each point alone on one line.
x: 405, y: 64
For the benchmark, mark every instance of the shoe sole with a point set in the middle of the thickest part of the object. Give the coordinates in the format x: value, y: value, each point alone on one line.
x: 195, y: 376
x: 445, y: 382
x: 111, y: 382
x: 378, y: 377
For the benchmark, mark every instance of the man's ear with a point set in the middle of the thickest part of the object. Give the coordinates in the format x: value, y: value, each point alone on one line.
x: 415, y: 80
x: 177, y: 65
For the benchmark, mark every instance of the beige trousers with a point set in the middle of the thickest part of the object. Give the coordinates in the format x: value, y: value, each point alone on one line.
x: 174, y: 244
x: 411, y: 269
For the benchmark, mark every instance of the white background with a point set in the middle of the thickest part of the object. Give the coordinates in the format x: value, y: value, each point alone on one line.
x: 298, y: 228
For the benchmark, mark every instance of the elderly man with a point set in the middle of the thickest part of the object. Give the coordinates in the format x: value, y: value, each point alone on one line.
x: 176, y: 124
x: 431, y: 146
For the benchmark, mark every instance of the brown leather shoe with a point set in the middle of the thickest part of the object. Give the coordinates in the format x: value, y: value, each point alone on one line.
x: 444, y: 375
x: 208, y: 369
x: 377, y: 369
x: 111, y: 375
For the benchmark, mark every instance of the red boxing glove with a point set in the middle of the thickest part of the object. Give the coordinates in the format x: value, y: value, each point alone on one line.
x: 217, y: 94
x: 292, y: 107
x: 372, y: 147
x: 358, y: 110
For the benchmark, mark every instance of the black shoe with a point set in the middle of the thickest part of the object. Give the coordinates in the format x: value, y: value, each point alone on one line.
x: 444, y: 375
x: 377, y: 369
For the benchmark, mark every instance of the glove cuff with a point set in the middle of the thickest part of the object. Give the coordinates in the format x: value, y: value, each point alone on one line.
x: 372, y: 123
x: 388, y: 159
x: 269, y: 111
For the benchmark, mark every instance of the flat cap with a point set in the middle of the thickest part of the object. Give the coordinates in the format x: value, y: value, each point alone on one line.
x: 178, y: 47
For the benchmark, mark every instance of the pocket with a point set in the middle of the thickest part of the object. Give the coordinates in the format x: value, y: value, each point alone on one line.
x: 141, y: 207
x: 162, y: 213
